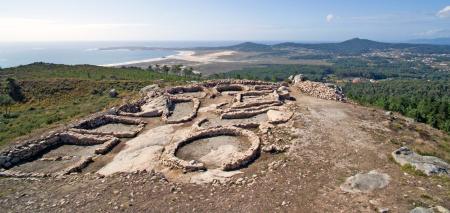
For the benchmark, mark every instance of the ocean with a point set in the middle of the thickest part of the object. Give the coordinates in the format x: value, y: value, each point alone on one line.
x: 21, y: 53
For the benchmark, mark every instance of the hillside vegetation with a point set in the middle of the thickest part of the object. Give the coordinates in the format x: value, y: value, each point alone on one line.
x: 413, y: 89
x: 353, y: 46
x: 372, y: 68
x: 427, y: 102
x: 54, y: 94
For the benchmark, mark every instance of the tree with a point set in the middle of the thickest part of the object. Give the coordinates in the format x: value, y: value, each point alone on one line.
x: 14, y: 90
x: 188, y: 71
x: 176, y: 69
x: 165, y: 69
x: 6, y: 102
x: 157, y: 68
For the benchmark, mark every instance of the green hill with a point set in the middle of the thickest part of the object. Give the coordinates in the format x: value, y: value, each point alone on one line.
x: 55, y: 94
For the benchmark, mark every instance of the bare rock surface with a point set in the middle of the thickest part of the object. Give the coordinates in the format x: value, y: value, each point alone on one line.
x: 142, y: 152
x: 366, y: 182
x: 436, y: 209
x: 276, y: 117
x: 429, y: 165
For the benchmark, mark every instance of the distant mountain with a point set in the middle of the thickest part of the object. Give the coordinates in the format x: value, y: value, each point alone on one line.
x: 250, y: 46
x: 352, y: 46
x: 437, y: 41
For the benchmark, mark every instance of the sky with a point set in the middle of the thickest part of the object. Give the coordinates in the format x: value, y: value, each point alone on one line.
x: 224, y: 20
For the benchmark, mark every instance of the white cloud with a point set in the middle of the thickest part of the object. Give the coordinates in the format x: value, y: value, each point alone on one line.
x: 329, y: 18
x: 444, y: 13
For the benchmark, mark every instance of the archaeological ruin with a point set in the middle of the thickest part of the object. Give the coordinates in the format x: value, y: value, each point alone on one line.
x: 213, y: 125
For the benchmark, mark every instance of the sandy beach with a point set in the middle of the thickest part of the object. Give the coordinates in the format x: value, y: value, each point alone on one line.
x: 201, y: 58
x: 182, y: 55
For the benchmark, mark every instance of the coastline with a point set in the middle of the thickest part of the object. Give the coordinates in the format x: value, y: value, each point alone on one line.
x: 183, y: 55
x: 141, y: 61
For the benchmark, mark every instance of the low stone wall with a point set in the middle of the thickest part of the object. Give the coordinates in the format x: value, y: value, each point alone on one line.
x: 32, y: 149
x: 78, y: 166
x: 87, y: 126
x: 120, y: 134
x: 134, y: 107
x: 28, y: 150
x: 107, y: 146
x: 256, y: 103
x: 262, y: 88
x: 214, y: 83
x: 241, y: 95
x: 183, y: 89
x: 192, y: 115
x: 230, y: 87
x: 150, y: 107
x: 101, y: 120
x: 15, y: 174
x: 197, y: 126
x: 239, y: 159
x: 246, y: 113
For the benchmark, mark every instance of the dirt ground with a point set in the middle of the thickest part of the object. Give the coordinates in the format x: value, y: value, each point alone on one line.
x: 329, y: 141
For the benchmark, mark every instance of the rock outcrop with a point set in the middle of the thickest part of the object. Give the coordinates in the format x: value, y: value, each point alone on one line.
x: 429, y: 165
x: 365, y: 182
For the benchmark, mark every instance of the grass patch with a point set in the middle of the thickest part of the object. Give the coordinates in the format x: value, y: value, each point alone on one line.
x: 391, y: 159
x: 426, y: 196
x: 410, y: 169
x: 395, y: 141
x: 57, y: 94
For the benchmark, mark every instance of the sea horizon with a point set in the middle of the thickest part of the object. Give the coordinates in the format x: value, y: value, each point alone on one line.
x: 14, y: 54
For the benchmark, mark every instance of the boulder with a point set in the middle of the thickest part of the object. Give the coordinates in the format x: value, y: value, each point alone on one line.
x: 298, y: 78
x: 113, y: 111
x: 113, y: 93
x: 365, y: 182
x: 429, y: 165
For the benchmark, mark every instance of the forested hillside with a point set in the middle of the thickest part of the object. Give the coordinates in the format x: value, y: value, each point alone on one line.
x: 425, y: 101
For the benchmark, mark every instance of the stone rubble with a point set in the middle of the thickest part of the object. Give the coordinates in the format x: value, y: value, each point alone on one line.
x: 319, y: 90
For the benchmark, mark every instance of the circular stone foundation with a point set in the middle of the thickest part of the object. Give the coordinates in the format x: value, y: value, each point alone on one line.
x: 184, y: 154
x: 213, y: 151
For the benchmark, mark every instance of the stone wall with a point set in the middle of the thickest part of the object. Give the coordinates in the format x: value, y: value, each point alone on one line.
x: 183, y: 89
x: 192, y: 115
x: 214, y: 83
x: 92, y: 123
x: 230, y: 87
x: 148, y: 107
x: 33, y: 148
x: 87, y: 126
x: 239, y: 160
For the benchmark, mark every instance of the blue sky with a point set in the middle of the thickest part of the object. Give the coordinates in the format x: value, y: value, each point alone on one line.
x: 249, y: 20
